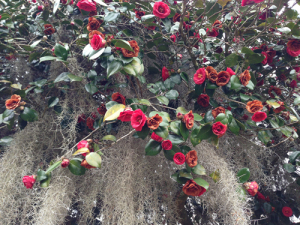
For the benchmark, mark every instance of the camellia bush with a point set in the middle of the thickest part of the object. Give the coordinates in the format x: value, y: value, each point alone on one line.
x: 188, y: 83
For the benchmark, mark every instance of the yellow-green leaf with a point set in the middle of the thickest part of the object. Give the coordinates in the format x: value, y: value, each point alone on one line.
x: 273, y: 104
x: 215, y: 175
x: 94, y: 159
x: 113, y: 112
x: 16, y: 86
x: 145, y: 102
x: 81, y: 151
x: 223, y: 2
x: 109, y: 138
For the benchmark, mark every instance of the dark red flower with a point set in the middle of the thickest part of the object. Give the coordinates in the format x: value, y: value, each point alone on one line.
x: 264, y: 62
x: 65, y: 163
x: 212, y: 74
x: 271, y: 54
x: 245, y: 77
x: 155, y: 137
x: 93, y: 24
x: 260, y: 196
x: 203, y: 100
x: 280, y: 108
x: 125, y: 116
x: 166, y: 145
x: 276, y: 90
x: 161, y: 10
x: 90, y: 123
x: 200, y: 76
x: 81, y: 118
x: 86, y: 5
x: 29, y: 181
x: 173, y: 38
x: 193, y: 189
x: 223, y: 78
x: 219, y: 129
x: 212, y: 33
x: 259, y: 116
x: 287, y: 211
x: 245, y: 117
x: 138, y: 120
x: 165, y: 73
x: 117, y: 97
x: 102, y: 109
x: 139, y: 14
x: 179, y: 158
x: 176, y: 17
x: 49, y: 29
x: 293, y: 84
x: 291, y: 53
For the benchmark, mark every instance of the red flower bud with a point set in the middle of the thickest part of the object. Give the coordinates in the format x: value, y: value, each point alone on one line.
x: 65, y: 163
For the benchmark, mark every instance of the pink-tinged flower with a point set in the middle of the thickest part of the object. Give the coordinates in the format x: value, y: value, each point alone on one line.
x: 179, y: 115
x: 292, y: 53
x: 212, y: 33
x: 296, y: 68
x: 230, y: 71
x: 97, y: 42
x: 40, y: 8
x: 245, y: 117
x: 261, y: 196
x: 126, y: 115
x: 200, y: 76
x: 251, y: 187
x: 29, y: 181
x: 175, y: 2
x: 82, y: 144
x: 138, y: 120
x: 161, y: 10
x: 0, y: 17
x: 86, y: 5
x: 287, y: 211
x: 293, y: 84
x: 155, y: 137
x: 34, y: 1
x: 65, y: 163
x: 179, y: 158
x: 166, y: 145
x: 165, y: 73
x: 264, y: 62
x: 173, y: 37
x: 219, y: 129
x: 179, y: 56
x: 259, y: 116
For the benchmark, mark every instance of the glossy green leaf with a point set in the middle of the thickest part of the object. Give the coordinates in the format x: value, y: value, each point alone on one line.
x: 109, y: 138
x: 46, y: 182
x: 199, y: 170
x: 243, y: 175
x: 175, y: 139
x: 29, y: 115
x: 53, y: 101
x: 53, y: 167
x: 175, y: 127
x: 113, y: 112
x: 163, y: 100
x: 41, y: 175
x: 75, y: 167
x: 202, y: 182
x: 94, y: 159
x: 231, y: 60
x: 184, y: 131
x: 113, y: 68
x: 153, y: 148
x: 144, y: 132
x: 122, y: 44
x: 205, y: 132
x: 162, y: 131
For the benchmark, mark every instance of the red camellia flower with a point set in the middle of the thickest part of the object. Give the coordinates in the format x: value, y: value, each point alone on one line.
x: 212, y: 33
x: 230, y: 71
x: 200, y: 76
x: 264, y: 62
x: 97, y: 42
x: 251, y: 187
x: 81, y: 118
x: 261, y: 196
x: 165, y: 73
x: 138, y: 120
x: 139, y: 14
x: 65, y: 163
x: 117, y: 97
x: 102, y: 109
x: 29, y: 181
x: 287, y: 211
x: 161, y: 10
x: 86, y: 5
x: 259, y: 116
x: 223, y: 78
x: 166, y: 145
x: 188, y: 119
x: 90, y: 123
x: 193, y: 189
x: 203, y: 100
x: 219, y: 129
x: 155, y: 137
x: 82, y: 144
x: 126, y: 115
x: 179, y: 158
x: 291, y: 53
x: 173, y: 37
x: 40, y: 8
x: 293, y: 84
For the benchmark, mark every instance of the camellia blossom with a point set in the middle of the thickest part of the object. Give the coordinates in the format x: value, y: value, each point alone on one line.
x: 287, y: 211
x: 102, y: 109
x: 117, y: 97
x: 29, y: 181
x: 97, y: 42
x: 245, y: 77
x: 259, y: 116
x: 166, y: 145
x: 203, y: 100
x: 200, y: 76
x: 215, y: 112
x: 157, y: 138
x: 230, y: 71
x: 65, y: 163
x: 40, y: 8
x: 13, y: 102
x: 193, y: 189
x: 223, y: 78
x: 86, y: 5
x: 179, y: 158
x: 276, y: 90
x: 48, y: 29
x: 154, y: 121
x: 136, y: 49
x: 125, y: 116
x: 93, y: 24
x: 293, y: 84
x: 161, y: 10
x: 251, y: 187
x: 219, y: 129
x: 264, y: 62
x: 138, y: 120
x: 212, y: 33
x: 254, y: 106
x: 173, y: 37
x: 188, y: 119
x: 191, y: 158
x: 82, y: 144
x: 260, y: 196
x: 90, y: 123
x: 212, y: 74
x: 165, y: 73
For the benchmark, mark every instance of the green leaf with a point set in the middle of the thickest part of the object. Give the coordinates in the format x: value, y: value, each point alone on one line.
x: 247, y: 51
x: 122, y: 44
x: 284, y: 30
x: 263, y: 136
x: 267, y: 207
x: 205, y: 132
x: 243, y: 175
x: 195, y: 140
x: 181, y: 110
x: 185, y: 149
x: 144, y: 132
x: 215, y: 175
x: 250, y: 85
x: 172, y: 94
x: 297, y: 101
x: 255, y: 58
x: 197, y: 117
x: 208, y: 116
x: 153, y: 148
x: 29, y: 115
x: 109, y: 138
x: 184, y: 173
x: 235, y: 83
x: 47, y: 58
x: 41, y: 175
x: 162, y: 131
x: 94, y: 159
x: 75, y: 167
x: 202, y: 182
x: 113, y: 68
x: 145, y: 102
x: 184, y: 76
x: 5, y: 141
x: 53, y: 101
x: 222, y: 118
x: 293, y: 156
x: 74, y: 78
x: 62, y: 77
x: 45, y: 183
x: 234, y: 127
x: 61, y: 52
x: 175, y: 127
x: 180, y: 180
x: 231, y: 60
x: 163, y: 100
x: 45, y: 14
x: 175, y: 139
x: 184, y: 131
x: 147, y: 18
x: 96, y: 54
x: 169, y: 154
x: 113, y: 112
x: 91, y: 88
x: 81, y: 151
x: 53, y: 167
x: 199, y: 170
x: 164, y: 115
